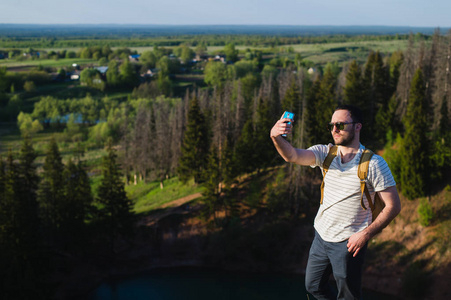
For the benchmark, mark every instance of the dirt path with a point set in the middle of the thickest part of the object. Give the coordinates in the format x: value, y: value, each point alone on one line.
x: 173, y: 207
x: 181, y: 201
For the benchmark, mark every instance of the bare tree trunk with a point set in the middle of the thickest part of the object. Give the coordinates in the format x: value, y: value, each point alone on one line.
x: 405, y: 79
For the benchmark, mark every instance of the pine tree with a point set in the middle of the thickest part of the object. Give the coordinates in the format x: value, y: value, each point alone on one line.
x: 27, y: 206
x: 9, y: 250
x: 315, y: 129
x: 395, y: 62
x: 354, y: 90
x: 220, y: 174
x: 195, y: 145
x: 51, y: 189
x: 8, y: 214
x: 22, y: 227
x: 291, y: 101
x: 414, y: 152
x: 116, y: 213
x: 77, y: 200
x: 377, y: 96
x: 264, y: 152
x: 441, y: 147
x: 245, y: 155
x: 321, y: 105
x: 211, y: 195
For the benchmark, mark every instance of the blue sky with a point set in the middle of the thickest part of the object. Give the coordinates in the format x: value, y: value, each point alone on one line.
x: 416, y: 13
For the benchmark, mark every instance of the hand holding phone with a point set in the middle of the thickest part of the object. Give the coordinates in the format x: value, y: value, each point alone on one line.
x: 287, y: 115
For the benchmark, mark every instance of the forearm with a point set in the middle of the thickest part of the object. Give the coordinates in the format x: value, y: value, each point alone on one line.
x: 291, y: 154
x: 389, y: 212
x: 392, y: 208
x: 383, y: 219
x: 284, y: 148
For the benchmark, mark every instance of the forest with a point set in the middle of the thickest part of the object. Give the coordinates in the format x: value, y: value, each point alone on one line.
x: 91, y: 129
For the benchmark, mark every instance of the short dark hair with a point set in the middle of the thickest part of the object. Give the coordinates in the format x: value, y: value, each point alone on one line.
x: 356, y: 113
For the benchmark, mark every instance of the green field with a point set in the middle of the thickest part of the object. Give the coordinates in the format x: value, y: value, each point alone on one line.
x: 67, y: 62
x: 319, y: 53
x: 147, y: 197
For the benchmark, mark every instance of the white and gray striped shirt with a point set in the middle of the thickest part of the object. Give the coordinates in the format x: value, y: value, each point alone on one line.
x: 341, y: 214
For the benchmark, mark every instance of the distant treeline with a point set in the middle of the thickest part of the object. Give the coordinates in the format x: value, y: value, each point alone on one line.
x: 146, y: 40
x: 78, y: 30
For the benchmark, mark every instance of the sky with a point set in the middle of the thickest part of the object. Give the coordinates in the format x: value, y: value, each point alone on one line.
x: 414, y: 13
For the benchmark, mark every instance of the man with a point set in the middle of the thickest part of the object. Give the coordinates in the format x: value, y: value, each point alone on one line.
x: 342, y: 227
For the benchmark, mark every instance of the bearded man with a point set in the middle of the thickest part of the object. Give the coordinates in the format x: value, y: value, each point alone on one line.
x: 342, y: 227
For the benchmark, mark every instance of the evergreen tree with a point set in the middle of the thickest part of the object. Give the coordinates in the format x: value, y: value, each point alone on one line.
x: 77, y: 200
x: 9, y: 188
x: 51, y: 189
x: 116, y: 213
x: 414, y: 152
x: 9, y: 258
x: 195, y: 145
x: 322, y: 103
x: 395, y: 62
x: 21, y: 227
x: 315, y: 128
x: 264, y: 152
x: 211, y: 195
x: 291, y: 101
x: 354, y: 89
x: 27, y: 206
x: 220, y: 174
x: 377, y: 91
x: 245, y: 156
x: 441, y: 148
x: 228, y: 174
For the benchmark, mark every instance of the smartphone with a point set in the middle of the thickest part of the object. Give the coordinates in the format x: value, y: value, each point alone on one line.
x: 287, y: 115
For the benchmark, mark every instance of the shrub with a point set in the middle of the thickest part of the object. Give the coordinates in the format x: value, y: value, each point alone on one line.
x: 425, y: 212
x: 29, y: 86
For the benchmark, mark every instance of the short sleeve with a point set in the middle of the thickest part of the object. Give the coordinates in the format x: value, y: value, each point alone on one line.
x: 379, y: 175
x: 320, y: 152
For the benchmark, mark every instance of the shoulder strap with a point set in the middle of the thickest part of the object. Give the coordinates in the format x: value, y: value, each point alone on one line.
x: 363, y: 173
x: 326, y: 164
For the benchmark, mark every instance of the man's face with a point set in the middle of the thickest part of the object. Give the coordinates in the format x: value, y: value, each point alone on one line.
x: 346, y: 136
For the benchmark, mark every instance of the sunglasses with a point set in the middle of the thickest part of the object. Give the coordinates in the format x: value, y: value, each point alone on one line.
x: 339, y: 125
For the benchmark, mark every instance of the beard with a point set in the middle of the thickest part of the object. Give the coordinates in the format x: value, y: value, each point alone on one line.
x: 345, y: 141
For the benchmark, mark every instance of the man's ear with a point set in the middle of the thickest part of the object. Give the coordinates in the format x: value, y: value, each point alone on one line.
x: 358, y: 126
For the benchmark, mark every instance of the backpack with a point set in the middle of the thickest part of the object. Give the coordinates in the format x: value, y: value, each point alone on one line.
x: 362, y: 173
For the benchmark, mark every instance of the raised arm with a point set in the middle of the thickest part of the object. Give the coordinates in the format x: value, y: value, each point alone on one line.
x: 285, y: 149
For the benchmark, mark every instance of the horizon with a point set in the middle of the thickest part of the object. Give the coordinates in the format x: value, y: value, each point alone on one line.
x: 213, y: 24
x: 60, y: 30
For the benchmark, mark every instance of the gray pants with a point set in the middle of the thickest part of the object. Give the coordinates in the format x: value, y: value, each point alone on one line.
x: 327, y: 258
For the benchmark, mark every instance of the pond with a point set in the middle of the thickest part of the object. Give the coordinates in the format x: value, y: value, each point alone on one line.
x: 190, y: 283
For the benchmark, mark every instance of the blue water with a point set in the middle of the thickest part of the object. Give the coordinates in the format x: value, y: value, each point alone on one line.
x: 199, y: 284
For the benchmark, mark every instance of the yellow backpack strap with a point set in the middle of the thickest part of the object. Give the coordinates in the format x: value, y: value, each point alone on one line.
x: 326, y: 164
x: 363, y: 173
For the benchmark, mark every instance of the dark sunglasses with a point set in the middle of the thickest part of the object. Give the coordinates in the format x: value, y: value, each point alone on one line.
x: 339, y: 125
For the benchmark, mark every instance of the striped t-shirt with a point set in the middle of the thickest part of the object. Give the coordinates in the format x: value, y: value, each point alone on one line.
x: 341, y: 214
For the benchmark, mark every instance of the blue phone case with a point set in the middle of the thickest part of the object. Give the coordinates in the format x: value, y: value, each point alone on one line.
x: 287, y: 115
